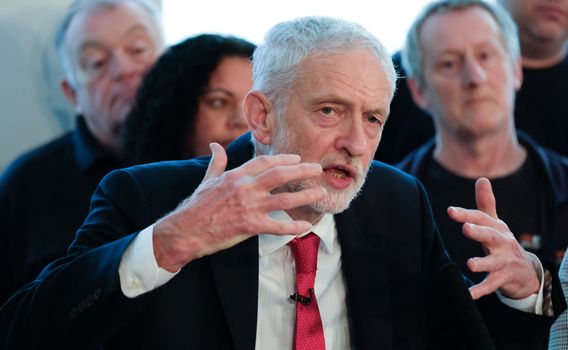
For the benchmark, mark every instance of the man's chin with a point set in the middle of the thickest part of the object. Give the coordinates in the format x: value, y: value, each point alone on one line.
x: 336, y: 201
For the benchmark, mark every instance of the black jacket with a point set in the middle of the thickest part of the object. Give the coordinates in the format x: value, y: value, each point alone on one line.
x: 44, y: 198
x: 402, y: 290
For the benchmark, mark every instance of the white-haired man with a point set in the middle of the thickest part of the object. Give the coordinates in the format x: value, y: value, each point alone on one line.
x: 105, y: 46
x: 268, y: 245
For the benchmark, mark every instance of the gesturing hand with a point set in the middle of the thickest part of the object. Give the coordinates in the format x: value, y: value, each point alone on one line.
x: 231, y: 206
x: 510, y: 268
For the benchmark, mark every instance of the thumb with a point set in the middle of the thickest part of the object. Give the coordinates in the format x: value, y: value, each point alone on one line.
x: 484, y: 197
x: 218, y: 161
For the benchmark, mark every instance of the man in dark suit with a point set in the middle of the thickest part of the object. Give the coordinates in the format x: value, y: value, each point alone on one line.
x: 222, y: 270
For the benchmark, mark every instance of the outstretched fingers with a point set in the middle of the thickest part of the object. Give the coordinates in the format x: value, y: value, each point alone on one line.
x: 264, y: 163
x: 476, y: 217
x: 282, y: 174
x: 295, y: 227
x: 290, y: 200
x: 484, y: 197
x: 485, y: 287
x: 218, y: 161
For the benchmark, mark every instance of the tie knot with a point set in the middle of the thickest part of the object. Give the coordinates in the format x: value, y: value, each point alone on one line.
x: 305, y: 252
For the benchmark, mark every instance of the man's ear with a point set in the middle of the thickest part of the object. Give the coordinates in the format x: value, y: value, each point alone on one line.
x: 259, y: 113
x: 418, y: 93
x: 69, y: 93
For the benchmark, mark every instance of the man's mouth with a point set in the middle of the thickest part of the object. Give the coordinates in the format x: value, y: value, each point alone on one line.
x: 339, y: 176
x: 552, y: 11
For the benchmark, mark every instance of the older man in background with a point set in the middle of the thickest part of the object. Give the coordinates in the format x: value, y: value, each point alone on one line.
x: 105, y: 46
x: 540, y: 110
x: 463, y: 65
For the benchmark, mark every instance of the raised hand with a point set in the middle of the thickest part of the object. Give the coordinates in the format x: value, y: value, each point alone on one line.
x: 231, y: 206
x: 510, y: 268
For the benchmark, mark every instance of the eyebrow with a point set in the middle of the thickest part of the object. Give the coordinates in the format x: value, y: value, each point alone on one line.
x: 209, y: 90
x: 341, y: 101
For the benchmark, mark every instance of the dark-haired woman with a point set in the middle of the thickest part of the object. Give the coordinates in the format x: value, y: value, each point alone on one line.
x: 190, y: 98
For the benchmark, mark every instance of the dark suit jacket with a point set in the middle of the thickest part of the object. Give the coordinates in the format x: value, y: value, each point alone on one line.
x: 44, y: 199
x: 402, y: 292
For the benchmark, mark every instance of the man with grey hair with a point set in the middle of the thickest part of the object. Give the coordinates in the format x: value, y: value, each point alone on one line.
x: 106, y: 46
x: 462, y: 60
x: 539, y: 104
x: 292, y: 239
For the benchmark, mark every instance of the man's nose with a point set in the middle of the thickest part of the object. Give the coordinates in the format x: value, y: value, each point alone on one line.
x: 473, y: 73
x: 124, y: 66
x: 353, y: 139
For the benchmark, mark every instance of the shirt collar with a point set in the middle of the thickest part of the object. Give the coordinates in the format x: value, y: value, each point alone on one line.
x: 88, y: 151
x: 324, y: 229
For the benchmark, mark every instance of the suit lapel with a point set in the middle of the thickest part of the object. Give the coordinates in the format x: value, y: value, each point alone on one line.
x: 235, y: 272
x: 365, y: 268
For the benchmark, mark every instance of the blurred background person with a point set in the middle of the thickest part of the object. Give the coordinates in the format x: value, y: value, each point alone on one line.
x: 463, y: 63
x: 559, y: 330
x: 541, y: 109
x: 539, y: 106
x: 190, y: 98
x: 105, y: 47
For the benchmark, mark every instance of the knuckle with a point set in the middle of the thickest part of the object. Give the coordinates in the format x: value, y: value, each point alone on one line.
x: 231, y: 176
x: 284, y: 201
x: 278, y: 174
x: 263, y: 160
x: 502, y: 224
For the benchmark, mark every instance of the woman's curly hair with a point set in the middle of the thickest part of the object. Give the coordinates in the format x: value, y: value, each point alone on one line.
x: 166, y: 103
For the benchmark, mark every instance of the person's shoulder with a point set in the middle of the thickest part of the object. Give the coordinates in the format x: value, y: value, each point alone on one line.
x: 39, y: 159
x: 397, y: 59
x: 153, y: 186
x: 388, y: 176
x: 389, y: 187
x: 549, y: 157
x: 164, y: 173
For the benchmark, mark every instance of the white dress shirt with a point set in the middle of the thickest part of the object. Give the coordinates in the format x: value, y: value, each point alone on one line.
x: 139, y: 273
x: 276, y: 312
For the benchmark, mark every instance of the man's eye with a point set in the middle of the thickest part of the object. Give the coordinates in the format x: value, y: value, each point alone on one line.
x: 448, y: 65
x: 484, y: 56
x: 327, y: 110
x: 138, y: 49
x: 96, y: 65
x: 374, y: 120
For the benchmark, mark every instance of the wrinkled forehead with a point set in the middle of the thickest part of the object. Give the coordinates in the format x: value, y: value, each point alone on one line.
x: 355, y: 77
x: 107, y: 24
x: 455, y: 29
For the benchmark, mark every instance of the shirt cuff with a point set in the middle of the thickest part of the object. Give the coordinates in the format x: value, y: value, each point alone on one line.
x: 531, y: 304
x: 138, y: 270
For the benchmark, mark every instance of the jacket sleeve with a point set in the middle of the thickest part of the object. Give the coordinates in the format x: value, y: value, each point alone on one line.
x: 62, y: 307
x: 453, y: 320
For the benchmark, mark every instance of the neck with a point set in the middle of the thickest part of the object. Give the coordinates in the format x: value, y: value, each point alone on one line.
x: 109, y: 142
x: 542, y: 54
x: 491, y: 157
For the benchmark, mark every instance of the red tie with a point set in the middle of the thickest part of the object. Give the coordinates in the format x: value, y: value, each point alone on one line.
x: 308, y: 327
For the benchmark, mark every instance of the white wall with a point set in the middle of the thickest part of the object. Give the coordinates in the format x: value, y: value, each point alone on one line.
x: 388, y: 20
x: 32, y: 108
